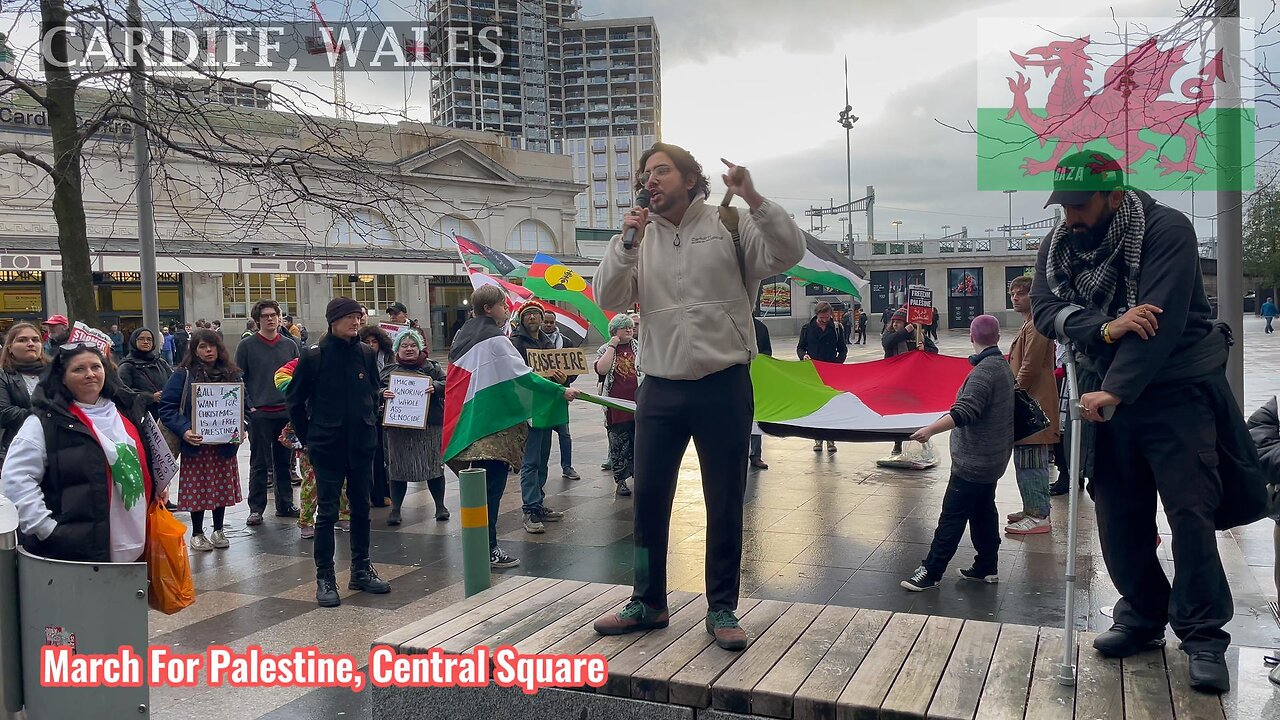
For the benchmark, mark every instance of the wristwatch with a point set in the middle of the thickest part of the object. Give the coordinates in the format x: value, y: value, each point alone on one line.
x: 1105, y: 333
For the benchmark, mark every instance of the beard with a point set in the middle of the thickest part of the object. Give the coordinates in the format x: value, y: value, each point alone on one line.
x: 1091, y: 236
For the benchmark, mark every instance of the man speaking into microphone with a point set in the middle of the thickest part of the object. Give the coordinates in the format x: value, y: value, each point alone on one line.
x: 695, y: 281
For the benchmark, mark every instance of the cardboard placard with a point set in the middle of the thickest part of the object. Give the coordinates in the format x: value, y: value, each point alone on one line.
x: 218, y: 412
x: 570, y: 361
x: 81, y: 333
x: 408, y: 409
x: 164, y: 467
x: 919, y: 305
x: 392, y: 329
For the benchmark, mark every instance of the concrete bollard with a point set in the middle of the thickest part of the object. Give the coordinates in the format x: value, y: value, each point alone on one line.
x: 10, y: 639
x: 472, y: 487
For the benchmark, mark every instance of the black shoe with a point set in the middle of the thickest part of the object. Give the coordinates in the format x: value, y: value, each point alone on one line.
x: 171, y: 506
x: 1208, y: 672
x: 327, y: 592
x: 623, y: 490
x: 290, y: 512
x: 759, y: 464
x: 366, y: 580
x: 442, y: 513
x: 973, y: 574
x: 920, y: 580
x: 1121, y: 641
x: 393, y: 517
x: 1060, y: 487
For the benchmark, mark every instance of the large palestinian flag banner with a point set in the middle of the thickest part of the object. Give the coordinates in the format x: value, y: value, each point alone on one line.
x: 858, y: 401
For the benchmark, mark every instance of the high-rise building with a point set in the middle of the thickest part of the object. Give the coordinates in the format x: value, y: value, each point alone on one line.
x: 590, y: 89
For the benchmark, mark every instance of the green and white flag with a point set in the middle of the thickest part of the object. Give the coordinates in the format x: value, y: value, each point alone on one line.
x: 822, y: 265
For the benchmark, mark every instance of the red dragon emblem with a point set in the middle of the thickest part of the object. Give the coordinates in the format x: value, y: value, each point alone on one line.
x: 1128, y: 102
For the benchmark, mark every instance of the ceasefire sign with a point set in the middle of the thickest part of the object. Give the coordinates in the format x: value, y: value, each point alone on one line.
x: 919, y: 305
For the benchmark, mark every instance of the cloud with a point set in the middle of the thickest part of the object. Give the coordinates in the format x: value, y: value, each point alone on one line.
x: 705, y: 29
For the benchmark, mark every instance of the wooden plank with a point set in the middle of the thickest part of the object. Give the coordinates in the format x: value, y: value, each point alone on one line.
x: 397, y: 638
x: 586, y: 636
x: 429, y: 639
x: 1098, y: 689
x: 732, y: 690
x: 870, y: 685
x: 691, y: 686
x: 816, y: 698
x: 1005, y: 695
x: 613, y: 600
x: 957, y: 695
x: 653, y: 680
x: 520, y: 630
x: 913, y: 689
x: 623, y: 665
x: 1188, y: 703
x: 1050, y: 699
x: 1146, y: 687
x: 466, y: 640
x: 774, y: 695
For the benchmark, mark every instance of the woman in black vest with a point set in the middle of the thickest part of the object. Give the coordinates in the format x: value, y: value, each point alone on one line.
x: 21, y: 362
x: 209, y: 476
x: 78, y: 469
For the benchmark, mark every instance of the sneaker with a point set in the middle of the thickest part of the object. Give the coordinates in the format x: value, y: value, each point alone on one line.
x: 1207, y: 671
x: 533, y: 523
x: 327, y: 591
x: 920, y: 580
x: 1029, y: 526
x: 622, y: 490
x: 571, y: 474
x: 1121, y: 641
x: 255, y: 518
x: 723, y: 626
x: 366, y: 579
x: 201, y: 543
x: 290, y: 512
x: 817, y: 446
x: 219, y: 540
x: 442, y: 513
x: 343, y: 525
x: 309, y: 532
x: 499, y: 559
x: 1012, y: 518
x: 635, y: 617
x: 549, y: 515
x: 973, y: 574
x: 393, y: 517
x: 759, y: 464
x: 831, y: 447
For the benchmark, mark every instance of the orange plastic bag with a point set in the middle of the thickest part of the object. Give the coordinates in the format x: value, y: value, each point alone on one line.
x: 168, y: 568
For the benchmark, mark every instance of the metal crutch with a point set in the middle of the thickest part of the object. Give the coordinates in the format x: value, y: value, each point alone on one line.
x: 1067, y: 670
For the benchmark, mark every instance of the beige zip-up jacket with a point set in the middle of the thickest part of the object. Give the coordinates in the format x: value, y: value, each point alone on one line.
x: 695, y: 307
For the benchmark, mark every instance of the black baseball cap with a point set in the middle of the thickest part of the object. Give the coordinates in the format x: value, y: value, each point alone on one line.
x: 397, y: 307
x: 1082, y: 174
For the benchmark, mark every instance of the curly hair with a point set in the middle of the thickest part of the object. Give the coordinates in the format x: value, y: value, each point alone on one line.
x: 688, y: 167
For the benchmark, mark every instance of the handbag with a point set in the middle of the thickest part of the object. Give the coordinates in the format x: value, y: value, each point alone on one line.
x: 1028, y: 416
x: 170, y: 437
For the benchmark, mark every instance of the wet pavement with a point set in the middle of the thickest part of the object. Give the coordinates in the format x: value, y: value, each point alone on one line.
x: 820, y: 528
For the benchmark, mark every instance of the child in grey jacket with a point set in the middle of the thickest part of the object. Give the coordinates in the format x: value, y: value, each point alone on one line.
x: 981, y: 445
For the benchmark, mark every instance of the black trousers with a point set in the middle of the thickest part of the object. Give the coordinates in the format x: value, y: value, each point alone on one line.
x: 715, y: 412
x: 332, y: 467
x: 495, y: 480
x: 972, y: 504
x: 266, y: 453
x: 1163, y: 444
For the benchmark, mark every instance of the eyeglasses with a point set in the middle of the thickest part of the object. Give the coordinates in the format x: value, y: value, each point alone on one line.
x: 69, y: 347
x: 267, y: 316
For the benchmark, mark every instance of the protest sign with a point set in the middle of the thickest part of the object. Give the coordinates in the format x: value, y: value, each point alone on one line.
x: 164, y: 466
x: 392, y: 329
x: 919, y: 305
x: 218, y: 415
x: 408, y: 409
x: 570, y: 361
x: 81, y: 333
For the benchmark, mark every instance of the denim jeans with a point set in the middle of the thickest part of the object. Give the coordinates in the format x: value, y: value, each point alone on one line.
x: 566, y: 446
x: 533, y: 472
x: 1031, y: 465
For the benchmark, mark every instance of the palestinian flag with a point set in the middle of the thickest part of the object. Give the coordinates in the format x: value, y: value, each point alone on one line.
x: 498, y: 263
x: 821, y: 265
x: 856, y: 402
x: 489, y: 389
x: 573, y: 327
x: 549, y: 279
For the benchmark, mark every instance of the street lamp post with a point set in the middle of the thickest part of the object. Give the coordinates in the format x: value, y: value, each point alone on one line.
x: 846, y: 120
x: 945, y: 228
x: 1009, y: 227
x: 896, y: 224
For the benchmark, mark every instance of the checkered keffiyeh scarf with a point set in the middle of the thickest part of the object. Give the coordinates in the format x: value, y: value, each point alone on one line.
x: 1089, y: 277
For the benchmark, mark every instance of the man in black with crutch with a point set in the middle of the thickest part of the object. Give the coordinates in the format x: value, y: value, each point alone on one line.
x: 1149, y: 353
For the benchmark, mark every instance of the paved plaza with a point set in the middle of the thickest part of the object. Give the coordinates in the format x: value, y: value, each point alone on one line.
x: 820, y: 528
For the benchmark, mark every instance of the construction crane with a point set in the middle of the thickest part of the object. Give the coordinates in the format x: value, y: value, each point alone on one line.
x: 318, y: 45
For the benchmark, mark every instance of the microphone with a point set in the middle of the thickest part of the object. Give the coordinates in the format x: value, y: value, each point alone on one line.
x: 642, y: 200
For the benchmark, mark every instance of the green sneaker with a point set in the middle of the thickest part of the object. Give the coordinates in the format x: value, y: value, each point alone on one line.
x: 723, y: 625
x: 635, y: 617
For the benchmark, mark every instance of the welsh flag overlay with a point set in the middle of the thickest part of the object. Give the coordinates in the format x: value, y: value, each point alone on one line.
x: 1143, y: 90
x: 857, y: 401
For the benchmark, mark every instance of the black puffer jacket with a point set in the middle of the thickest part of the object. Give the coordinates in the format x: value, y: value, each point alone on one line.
x: 146, y: 373
x: 1264, y: 429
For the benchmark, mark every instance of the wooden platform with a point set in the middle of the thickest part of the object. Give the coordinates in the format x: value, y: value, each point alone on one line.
x: 813, y: 662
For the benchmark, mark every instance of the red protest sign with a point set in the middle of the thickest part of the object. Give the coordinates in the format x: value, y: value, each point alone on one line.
x: 919, y: 305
